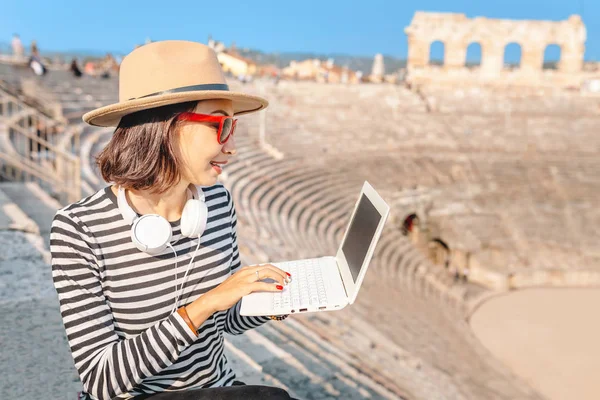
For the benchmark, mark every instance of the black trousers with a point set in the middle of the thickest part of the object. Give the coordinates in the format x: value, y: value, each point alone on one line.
x: 239, y: 390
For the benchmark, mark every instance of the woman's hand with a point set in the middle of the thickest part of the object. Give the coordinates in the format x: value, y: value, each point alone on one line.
x: 243, y: 282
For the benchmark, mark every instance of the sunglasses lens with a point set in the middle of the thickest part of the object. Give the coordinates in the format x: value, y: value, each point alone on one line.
x: 226, y: 131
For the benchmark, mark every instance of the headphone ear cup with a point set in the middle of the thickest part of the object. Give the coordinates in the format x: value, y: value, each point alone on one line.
x: 194, y: 218
x: 151, y: 233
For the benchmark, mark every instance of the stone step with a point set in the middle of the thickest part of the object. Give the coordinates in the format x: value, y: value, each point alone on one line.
x: 35, y: 203
x: 35, y: 361
x: 305, y: 366
x: 12, y: 217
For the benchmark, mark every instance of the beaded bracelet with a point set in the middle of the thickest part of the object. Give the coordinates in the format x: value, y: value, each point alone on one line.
x: 278, y: 317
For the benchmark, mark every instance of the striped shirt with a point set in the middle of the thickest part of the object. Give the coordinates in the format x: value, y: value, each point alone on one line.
x: 116, y: 301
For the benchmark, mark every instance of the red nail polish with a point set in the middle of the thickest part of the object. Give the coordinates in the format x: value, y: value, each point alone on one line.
x: 288, y: 274
x: 279, y: 287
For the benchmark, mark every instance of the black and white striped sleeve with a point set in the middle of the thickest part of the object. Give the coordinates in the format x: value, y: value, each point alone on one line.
x: 107, y: 365
x: 236, y: 324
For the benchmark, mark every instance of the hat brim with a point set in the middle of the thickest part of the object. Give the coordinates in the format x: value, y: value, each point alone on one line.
x: 111, y: 115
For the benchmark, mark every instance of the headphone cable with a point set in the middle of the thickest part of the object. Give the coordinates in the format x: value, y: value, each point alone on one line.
x: 186, y: 273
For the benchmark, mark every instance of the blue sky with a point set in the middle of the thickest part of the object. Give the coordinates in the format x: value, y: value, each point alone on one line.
x: 345, y: 27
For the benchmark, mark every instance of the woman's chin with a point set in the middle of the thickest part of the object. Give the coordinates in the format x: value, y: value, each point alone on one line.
x: 206, y: 179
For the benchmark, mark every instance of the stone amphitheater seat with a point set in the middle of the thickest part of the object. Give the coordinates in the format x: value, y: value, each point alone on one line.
x: 282, y: 199
x: 387, y: 251
x: 311, y: 201
x: 35, y: 202
x: 292, y: 205
x: 286, y: 230
x: 329, y: 212
x: 335, y: 221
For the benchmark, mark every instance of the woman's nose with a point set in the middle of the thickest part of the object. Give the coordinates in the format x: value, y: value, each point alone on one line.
x: 229, y: 147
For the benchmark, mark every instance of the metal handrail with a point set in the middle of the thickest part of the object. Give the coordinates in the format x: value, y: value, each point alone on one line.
x: 36, y: 151
x: 47, y: 145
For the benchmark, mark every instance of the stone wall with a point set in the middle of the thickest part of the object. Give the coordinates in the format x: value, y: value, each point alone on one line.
x: 457, y: 32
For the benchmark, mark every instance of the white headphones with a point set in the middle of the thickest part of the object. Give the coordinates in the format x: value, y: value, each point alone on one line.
x: 151, y: 233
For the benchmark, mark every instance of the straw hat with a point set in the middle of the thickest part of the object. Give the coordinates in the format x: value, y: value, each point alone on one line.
x: 170, y: 72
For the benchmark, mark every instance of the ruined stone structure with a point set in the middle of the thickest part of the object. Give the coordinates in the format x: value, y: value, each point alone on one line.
x: 457, y: 32
x: 378, y: 69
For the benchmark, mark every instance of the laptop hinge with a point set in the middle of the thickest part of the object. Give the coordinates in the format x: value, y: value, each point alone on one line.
x: 337, y: 264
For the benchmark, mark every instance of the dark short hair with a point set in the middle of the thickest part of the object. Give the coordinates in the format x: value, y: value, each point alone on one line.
x: 143, y: 153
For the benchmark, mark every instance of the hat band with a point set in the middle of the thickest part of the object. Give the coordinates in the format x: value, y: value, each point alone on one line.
x: 192, y: 88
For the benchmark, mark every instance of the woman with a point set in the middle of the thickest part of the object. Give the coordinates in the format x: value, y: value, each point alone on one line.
x: 147, y: 270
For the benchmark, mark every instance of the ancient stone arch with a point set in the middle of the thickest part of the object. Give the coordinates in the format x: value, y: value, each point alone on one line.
x: 457, y: 31
x: 507, y: 48
x: 410, y: 224
x: 547, y: 52
x: 473, y: 47
x: 439, y: 45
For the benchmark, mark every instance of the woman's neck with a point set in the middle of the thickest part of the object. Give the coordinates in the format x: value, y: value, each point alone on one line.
x: 168, y: 205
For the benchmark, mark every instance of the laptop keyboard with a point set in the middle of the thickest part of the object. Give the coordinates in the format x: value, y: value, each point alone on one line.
x: 306, y: 289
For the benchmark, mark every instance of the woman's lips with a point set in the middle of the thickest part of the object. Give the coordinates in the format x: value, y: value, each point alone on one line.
x: 218, y: 166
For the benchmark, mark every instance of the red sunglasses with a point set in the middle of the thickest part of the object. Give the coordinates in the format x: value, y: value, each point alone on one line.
x: 226, y: 124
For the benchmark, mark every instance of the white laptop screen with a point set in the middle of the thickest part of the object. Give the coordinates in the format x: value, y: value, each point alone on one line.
x: 360, y: 234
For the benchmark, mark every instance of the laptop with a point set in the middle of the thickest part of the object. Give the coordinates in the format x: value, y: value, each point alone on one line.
x: 327, y: 283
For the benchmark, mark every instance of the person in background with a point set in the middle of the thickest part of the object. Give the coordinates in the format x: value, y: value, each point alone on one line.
x: 17, y: 47
x: 75, y: 69
x: 90, y: 68
x: 108, y: 66
x: 34, y: 49
x: 35, y: 61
